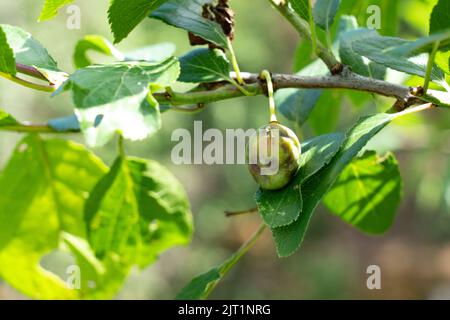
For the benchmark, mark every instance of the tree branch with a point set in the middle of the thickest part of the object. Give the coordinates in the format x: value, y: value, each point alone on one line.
x: 345, y: 80
x: 304, y: 30
x: 405, y: 96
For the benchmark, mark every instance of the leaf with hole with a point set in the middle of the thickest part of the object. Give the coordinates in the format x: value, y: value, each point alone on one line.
x: 113, y: 98
x: 53, y: 179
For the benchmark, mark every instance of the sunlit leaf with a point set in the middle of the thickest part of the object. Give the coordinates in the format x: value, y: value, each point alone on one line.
x: 367, y: 193
x: 7, y: 61
x: 53, y: 179
x: 51, y: 8
x: 125, y: 15
x: 112, y: 98
x: 137, y: 211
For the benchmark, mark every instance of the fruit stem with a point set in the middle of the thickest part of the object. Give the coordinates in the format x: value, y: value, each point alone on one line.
x: 265, y: 75
x: 234, y: 63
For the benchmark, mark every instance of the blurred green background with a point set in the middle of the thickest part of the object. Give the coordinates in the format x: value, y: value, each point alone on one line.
x: 414, y: 256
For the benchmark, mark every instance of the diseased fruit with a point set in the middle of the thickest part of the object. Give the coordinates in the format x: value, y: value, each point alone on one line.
x: 273, y: 155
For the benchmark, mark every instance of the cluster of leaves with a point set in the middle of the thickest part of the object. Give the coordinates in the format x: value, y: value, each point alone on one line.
x: 110, y: 219
x: 360, y: 186
x: 106, y: 219
x: 366, y: 190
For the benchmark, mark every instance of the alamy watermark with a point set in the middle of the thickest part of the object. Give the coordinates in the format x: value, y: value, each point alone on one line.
x: 74, y: 17
x: 73, y: 281
x: 235, y: 146
x: 374, y: 280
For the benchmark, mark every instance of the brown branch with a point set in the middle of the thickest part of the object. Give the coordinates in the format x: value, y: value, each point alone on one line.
x: 345, y: 80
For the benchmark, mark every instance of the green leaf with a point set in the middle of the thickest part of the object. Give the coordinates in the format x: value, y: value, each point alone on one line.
x: 53, y: 179
x: 325, y: 115
x: 112, y: 98
x: 355, y: 60
x: 137, y: 211
x: 95, y: 43
x: 390, y: 18
x: 367, y: 193
x: 125, y: 15
x: 297, y: 104
x: 443, y: 61
x: 394, y: 53
x: 324, y: 12
x: 440, y: 17
x: 7, y: 120
x: 301, y: 7
x: 289, y: 238
x: 30, y: 52
x: 51, y: 8
x: 302, y: 56
x: 153, y: 53
x: 100, y: 279
x: 282, y: 207
x: 7, y: 61
x: 204, y: 65
x: 198, y: 286
x: 188, y: 15
x: 424, y: 44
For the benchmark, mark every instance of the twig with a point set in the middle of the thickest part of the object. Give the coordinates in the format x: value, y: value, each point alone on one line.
x: 345, y: 80
x: 28, y: 84
x: 238, y: 213
x: 227, y: 265
x: 304, y: 30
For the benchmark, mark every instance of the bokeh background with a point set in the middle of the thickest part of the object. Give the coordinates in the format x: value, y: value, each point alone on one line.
x: 414, y: 256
